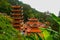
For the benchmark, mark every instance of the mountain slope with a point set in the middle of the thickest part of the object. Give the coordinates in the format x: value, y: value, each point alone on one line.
x: 7, y: 32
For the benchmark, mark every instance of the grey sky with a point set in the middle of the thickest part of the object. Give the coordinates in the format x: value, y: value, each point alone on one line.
x: 44, y: 5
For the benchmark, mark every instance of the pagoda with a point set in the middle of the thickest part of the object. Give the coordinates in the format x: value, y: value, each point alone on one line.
x: 32, y: 26
x: 17, y: 15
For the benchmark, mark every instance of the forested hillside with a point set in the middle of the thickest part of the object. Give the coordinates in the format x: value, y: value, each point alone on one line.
x: 7, y: 32
x: 5, y: 7
x: 29, y: 12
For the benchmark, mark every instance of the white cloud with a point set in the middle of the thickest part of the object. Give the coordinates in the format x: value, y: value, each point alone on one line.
x: 44, y: 5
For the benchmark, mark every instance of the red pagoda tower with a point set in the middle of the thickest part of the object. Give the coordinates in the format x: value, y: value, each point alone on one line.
x: 17, y: 15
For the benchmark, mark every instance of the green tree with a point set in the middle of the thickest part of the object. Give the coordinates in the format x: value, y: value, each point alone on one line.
x: 4, y: 6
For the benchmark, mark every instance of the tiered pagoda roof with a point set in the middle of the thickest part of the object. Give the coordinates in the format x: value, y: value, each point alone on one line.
x: 17, y: 15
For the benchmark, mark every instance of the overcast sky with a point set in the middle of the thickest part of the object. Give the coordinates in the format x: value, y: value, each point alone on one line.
x: 44, y: 5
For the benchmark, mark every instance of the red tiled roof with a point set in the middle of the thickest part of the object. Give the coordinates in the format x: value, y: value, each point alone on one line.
x: 16, y: 10
x: 16, y: 6
x: 34, y: 30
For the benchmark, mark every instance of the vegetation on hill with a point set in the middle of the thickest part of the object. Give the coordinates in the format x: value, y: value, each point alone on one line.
x: 5, y: 7
x: 7, y: 32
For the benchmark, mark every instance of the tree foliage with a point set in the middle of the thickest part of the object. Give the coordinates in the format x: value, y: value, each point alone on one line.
x: 4, y: 6
x: 7, y: 32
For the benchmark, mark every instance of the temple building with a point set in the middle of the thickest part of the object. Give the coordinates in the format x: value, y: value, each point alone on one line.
x: 32, y: 26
